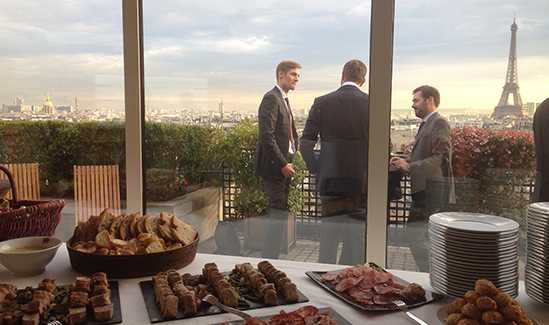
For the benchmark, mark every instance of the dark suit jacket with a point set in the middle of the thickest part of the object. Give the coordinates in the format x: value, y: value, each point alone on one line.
x: 541, y: 138
x: 341, y: 119
x: 431, y: 155
x: 274, y: 136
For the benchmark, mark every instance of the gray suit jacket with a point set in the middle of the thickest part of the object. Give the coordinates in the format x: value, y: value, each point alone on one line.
x: 432, y: 152
x: 273, y: 141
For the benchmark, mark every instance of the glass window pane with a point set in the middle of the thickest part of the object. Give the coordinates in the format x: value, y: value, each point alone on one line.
x: 207, y: 68
x: 62, y: 96
x: 469, y: 57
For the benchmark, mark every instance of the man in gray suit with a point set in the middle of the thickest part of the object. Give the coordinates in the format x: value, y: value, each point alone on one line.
x: 276, y: 146
x: 431, y: 156
x: 340, y: 120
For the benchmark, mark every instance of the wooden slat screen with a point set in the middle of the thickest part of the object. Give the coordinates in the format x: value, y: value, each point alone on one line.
x: 96, y: 188
x: 27, y: 180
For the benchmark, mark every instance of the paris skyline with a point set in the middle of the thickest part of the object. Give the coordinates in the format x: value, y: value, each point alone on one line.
x: 196, y: 53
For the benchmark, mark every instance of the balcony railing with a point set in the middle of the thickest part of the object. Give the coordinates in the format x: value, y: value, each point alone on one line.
x: 308, y: 221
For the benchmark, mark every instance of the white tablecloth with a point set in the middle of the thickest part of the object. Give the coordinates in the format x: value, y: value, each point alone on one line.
x: 134, y: 310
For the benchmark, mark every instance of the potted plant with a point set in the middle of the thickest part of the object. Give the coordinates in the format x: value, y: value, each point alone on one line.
x: 250, y: 202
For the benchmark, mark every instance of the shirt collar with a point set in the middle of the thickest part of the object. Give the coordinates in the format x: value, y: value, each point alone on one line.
x: 284, y: 95
x: 352, y: 83
x: 427, y: 117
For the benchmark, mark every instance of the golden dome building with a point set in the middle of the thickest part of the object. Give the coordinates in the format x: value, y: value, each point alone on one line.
x: 48, y: 108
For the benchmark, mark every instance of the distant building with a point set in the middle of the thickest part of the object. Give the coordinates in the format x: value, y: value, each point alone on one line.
x: 531, y: 108
x: 47, y: 107
x: 65, y: 108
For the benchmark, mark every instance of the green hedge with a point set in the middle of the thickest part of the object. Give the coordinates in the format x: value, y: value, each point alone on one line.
x: 184, y: 150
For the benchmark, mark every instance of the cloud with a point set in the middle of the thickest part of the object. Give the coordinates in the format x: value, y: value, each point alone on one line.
x: 233, y: 47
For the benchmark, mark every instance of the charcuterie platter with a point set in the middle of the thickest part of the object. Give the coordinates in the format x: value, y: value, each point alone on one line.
x: 372, y: 290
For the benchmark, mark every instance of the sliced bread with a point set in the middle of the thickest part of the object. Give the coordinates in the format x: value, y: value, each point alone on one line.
x: 105, y: 220
x: 135, y: 222
x: 152, y: 225
x: 115, y: 226
x: 165, y: 227
x: 125, y: 227
x: 183, y: 232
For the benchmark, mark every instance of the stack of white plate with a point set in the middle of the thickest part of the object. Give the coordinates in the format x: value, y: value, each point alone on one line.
x: 536, y: 271
x: 465, y: 247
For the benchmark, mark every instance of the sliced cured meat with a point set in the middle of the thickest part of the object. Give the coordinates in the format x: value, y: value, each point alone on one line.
x: 287, y: 318
x: 382, y: 277
x: 361, y: 295
x: 364, y: 271
x: 306, y: 311
x: 383, y: 289
x: 367, y: 283
x: 347, y: 283
x: 385, y: 299
x: 345, y: 274
x: 329, y: 277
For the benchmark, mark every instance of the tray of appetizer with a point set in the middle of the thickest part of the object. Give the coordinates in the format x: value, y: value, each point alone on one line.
x: 304, y: 315
x: 171, y: 295
x: 371, y: 288
x: 86, y: 301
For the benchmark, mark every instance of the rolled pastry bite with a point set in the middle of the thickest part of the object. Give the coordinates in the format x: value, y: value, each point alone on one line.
x: 487, y: 304
x: 282, y: 282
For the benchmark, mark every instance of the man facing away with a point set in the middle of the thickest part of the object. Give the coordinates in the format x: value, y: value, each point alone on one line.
x: 430, y: 157
x: 276, y: 146
x: 340, y: 120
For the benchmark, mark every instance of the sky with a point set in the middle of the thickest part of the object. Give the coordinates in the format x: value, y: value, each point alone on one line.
x: 198, y: 53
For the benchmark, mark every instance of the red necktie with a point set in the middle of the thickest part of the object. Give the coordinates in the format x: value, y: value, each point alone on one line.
x: 291, y: 129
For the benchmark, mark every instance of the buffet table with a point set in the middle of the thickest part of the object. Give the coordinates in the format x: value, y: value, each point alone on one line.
x: 134, y: 310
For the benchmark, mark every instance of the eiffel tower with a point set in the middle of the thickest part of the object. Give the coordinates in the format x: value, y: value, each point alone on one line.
x: 511, y: 87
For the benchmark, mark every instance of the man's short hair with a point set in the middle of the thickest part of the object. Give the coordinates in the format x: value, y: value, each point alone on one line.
x: 428, y: 91
x: 286, y: 66
x: 355, y: 71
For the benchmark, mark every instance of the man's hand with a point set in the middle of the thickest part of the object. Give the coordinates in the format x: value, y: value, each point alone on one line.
x: 400, y: 163
x: 288, y: 170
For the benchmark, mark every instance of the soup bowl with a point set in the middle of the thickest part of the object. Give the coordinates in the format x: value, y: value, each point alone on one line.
x: 29, y: 255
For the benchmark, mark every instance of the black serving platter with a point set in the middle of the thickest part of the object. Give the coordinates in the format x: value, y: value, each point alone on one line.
x: 338, y: 319
x: 316, y: 276
x: 155, y: 315
x: 117, y: 311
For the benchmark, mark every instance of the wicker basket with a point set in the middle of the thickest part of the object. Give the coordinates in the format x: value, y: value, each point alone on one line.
x: 30, y: 217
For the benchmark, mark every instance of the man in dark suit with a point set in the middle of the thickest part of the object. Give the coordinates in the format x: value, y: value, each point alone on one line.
x: 541, y: 139
x: 276, y: 146
x: 340, y: 120
x: 430, y: 157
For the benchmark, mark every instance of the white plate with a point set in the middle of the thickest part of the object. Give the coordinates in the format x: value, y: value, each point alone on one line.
x: 474, y: 222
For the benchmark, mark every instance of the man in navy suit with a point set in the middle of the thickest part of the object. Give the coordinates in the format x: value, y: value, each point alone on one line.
x: 430, y: 157
x: 276, y: 147
x: 340, y: 121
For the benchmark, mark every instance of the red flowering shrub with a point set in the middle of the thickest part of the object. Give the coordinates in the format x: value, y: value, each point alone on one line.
x: 502, y: 161
x: 477, y: 150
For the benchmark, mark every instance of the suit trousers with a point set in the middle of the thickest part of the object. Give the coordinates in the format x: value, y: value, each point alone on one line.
x: 277, y: 192
x: 343, y: 218
x: 416, y: 233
